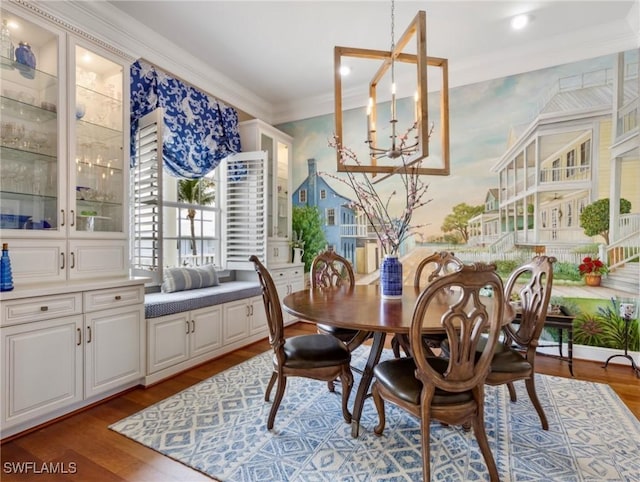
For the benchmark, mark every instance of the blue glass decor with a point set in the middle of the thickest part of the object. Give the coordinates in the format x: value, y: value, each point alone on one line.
x: 6, y: 278
x: 391, y: 277
x: 26, y: 60
x: 198, y: 132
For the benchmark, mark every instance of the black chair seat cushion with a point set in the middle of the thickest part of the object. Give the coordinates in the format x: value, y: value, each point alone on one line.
x: 344, y: 334
x: 505, y: 359
x: 315, y: 351
x: 398, y: 376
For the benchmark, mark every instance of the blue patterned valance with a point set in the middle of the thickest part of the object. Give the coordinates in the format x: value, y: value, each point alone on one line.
x: 199, y: 131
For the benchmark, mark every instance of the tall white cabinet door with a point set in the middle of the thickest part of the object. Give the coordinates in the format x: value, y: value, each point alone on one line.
x: 236, y: 321
x: 258, y: 321
x: 41, y: 368
x: 168, y: 341
x: 206, y: 330
x: 113, y: 348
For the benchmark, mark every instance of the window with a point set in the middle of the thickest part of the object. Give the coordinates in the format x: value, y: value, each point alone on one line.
x: 331, y: 217
x: 191, y: 222
x: 302, y: 196
x: 175, y: 222
x: 585, y: 155
x: 555, y: 174
x: 323, y: 194
x: 571, y: 163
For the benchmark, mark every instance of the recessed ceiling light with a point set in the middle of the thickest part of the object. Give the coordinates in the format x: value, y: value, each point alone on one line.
x: 345, y: 70
x: 519, y: 22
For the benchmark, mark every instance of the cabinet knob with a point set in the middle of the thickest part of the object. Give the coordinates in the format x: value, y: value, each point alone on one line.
x: 118, y: 297
x: 44, y: 308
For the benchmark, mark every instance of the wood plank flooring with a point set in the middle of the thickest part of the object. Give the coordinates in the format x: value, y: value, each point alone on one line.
x: 87, y: 450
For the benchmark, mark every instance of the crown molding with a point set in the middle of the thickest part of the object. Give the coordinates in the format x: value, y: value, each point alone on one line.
x: 112, y: 28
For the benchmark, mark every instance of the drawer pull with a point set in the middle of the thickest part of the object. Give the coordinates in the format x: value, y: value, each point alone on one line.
x: 44, y: 308
x: 118, y: 297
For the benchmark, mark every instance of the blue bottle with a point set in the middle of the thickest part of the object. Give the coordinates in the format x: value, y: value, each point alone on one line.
x: 6, y: 278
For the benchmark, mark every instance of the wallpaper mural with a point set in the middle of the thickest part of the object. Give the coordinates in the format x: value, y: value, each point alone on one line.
x: 566, y: 111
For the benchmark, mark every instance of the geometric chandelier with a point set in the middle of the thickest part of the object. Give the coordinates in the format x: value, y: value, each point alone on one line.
x: 406, y: 146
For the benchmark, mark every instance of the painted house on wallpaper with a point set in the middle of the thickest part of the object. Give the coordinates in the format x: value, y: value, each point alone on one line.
x: 484, y: 229
x: 562, y: 161
x: 340, y: 226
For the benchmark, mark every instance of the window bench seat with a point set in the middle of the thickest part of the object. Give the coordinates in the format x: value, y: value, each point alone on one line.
x: 161, y: 304
x: 188, y: 328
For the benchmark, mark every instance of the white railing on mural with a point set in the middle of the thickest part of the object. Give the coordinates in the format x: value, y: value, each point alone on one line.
x: 626, y: 248
x: 354, y: 231
x: 564, y: 174
x: 579, y: 81
x: 563, y: 255
x: 629, y: 224
x: 505, y: 243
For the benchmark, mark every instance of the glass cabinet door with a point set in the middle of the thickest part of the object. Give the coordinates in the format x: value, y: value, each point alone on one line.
x: 98, y: 116
x: 29, y: 125
x: 282, y: 189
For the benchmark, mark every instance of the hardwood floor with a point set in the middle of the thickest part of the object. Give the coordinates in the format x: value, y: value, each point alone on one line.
x: 83, y: 447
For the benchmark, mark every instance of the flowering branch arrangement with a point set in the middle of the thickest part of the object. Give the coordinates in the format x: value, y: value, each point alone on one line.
x: 591, y: 265
x: 390, y: 230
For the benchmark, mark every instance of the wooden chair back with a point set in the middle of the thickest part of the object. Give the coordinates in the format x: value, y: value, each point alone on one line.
x: 468, y: 317
x: 330, y: 269
x: 436, y: 265
x: 533, y: 282
x: 272, y: 307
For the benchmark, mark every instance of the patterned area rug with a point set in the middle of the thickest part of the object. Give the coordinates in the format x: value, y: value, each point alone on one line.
x: 219, y: 427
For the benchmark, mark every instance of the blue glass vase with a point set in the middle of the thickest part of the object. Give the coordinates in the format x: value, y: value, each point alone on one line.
x: 6, y: 278
x: 391, y: 277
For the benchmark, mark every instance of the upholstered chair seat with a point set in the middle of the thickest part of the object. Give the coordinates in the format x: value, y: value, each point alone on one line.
x: 309, y: 351
x: 398, y: 375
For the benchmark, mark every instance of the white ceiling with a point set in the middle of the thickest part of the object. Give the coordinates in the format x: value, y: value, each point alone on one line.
x: 282, y: 51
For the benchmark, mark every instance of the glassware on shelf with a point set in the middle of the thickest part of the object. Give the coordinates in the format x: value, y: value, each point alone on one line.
x: 6, y: 46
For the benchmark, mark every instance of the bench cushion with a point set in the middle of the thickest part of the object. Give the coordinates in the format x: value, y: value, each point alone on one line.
x: 161, y: 304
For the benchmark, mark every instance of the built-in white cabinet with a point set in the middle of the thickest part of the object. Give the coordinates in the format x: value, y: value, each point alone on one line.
x: 63, y: 162
x: 244, y: 318
x: 256, y: 135
x: 41, y: 368
x: 287, y: 280
x: 181, y: 337
x: 66, y: 350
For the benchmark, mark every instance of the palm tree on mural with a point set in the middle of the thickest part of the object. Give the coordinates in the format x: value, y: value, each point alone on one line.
x: 195, y: 191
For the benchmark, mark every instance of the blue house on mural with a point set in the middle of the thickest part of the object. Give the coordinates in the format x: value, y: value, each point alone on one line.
x: 340, y: 223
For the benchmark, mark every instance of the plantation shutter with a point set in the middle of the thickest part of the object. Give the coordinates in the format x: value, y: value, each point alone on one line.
x: 246, y: 209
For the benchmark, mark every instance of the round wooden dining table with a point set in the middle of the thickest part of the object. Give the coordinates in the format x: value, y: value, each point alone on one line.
x: 362, y: 308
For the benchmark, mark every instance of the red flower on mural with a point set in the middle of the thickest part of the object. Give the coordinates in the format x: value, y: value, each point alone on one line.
x: 591, y: 265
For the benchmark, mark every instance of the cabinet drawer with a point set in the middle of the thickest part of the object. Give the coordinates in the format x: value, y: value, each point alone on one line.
x: 40, y: 308
x: 113, y: 298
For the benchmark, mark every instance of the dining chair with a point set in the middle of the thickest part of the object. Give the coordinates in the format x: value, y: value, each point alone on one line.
x: 515, y: 355
x: 449, y: 390
x: 438, y: 264
x: 329, y: 269
x: 317, y: 356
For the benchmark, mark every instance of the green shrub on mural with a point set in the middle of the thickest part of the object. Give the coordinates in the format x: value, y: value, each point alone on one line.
x: 606, y: 328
